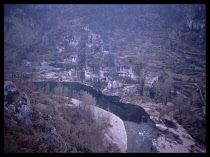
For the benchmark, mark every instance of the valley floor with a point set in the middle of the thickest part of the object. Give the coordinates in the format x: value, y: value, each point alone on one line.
x: 164, y: 143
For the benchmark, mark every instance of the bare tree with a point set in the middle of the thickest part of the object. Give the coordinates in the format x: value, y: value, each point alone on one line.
x: 58, y: 90
x: 142, y: 79
x: 87, y: 98
x: 179, y: 102
x: 65, y: 91
x: 47, y: 88
x: 163, y: 88
x: 88, y: 104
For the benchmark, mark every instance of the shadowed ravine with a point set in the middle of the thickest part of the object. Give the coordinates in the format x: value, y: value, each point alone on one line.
x: 127, y: 112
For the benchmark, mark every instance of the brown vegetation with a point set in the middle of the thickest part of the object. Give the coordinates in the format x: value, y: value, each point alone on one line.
x: 76, y: 125
x: 163, y: 88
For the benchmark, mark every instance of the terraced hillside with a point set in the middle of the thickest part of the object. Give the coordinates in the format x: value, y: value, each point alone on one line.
x: 113, y: 47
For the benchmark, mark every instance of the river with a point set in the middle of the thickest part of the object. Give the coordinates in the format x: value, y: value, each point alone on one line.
x: 139, y: 127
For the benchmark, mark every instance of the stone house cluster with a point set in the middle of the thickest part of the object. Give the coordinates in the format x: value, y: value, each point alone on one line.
x: 114, y: 84
x: 74, y: 40
x: 90, y: 75
x: 28, y: 63
x: 151, y: 78
x: 45, y: 38
x: 126, y: 71
x: 75, y: 75
x: 72, y: 59
x: 94, y: 39
x: 108, y: 73
x: 44, y: 63
x: 60, y: 48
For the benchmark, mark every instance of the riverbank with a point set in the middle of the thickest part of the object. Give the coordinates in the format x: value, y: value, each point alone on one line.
x: 159, y: 116
x: 114, y: 131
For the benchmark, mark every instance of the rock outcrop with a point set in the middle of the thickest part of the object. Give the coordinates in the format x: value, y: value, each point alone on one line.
x: 19, y: 114
x: 16, y: 104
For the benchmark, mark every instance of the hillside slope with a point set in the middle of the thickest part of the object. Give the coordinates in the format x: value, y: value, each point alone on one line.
x: 120, y: 49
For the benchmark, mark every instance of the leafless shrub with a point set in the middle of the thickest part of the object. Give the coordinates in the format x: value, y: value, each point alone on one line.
x: 163, y: 88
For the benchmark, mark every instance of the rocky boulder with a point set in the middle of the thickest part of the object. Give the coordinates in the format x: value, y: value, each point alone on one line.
x: 16, y: 104
x: 21, y: 119
x: 9, y: 88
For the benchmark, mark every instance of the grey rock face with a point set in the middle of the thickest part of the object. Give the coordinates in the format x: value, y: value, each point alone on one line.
x: 18, y: 116
x: 17, y: 108
x: 19, y: 105
x: 53, y: 131
x: 25, y: 107
x: 11, y: 108
x: 9, y: 87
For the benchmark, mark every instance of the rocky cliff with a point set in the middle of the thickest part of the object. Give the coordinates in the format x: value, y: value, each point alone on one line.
x: 24, y: 130
x: 33, y: 128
